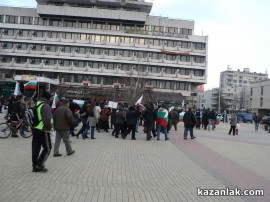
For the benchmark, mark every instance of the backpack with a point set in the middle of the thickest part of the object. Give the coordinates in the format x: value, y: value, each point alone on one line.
x: 174, y: 115
x: 31, y: 116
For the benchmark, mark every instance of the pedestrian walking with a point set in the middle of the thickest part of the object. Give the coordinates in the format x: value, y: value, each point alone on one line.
x: 162, y: 122
x: 41, y: 135
x: 189, y: 123
x: 205, y: 120
x: 63, y: 119
x: 119, y: 123
x: 92, y: 118
x: 198, y: 118
x: 103, y: 123
x: 131, y: 118
x: 212, y: 119
x: 150, y: 116
x: 233, y: 123
x: 83, y: 117
x: 256, y: 120
x: 174, y: 118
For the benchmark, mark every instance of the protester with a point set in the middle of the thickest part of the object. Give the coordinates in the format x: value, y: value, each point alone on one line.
x: 92, y: 118
x: 119, y: 123
x: 63, y: 119
x: 103, y: 122
x: 205, y: 121
x: 162, y: 122
x: 150, y: 117
x: 132, y: 117
x: 189, y: 123
x: 173, y: 119
x: 198, y: 118
x: 83, y: 117
x: 41, y: 135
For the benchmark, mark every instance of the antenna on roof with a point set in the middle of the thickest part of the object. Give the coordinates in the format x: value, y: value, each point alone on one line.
x: 228, y: 67
x: 266, y: 70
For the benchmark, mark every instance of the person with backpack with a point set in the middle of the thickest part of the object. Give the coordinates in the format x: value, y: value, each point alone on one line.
x: 173, y: 119
x: 42, y: 125
x: 91, y: 121
x: 63, y: 119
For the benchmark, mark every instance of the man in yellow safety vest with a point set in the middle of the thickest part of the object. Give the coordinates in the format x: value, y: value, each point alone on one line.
x: 41, y: 133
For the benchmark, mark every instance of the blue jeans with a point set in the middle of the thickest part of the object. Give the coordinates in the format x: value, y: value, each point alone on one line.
x: 164, y: 129
x: 92, y: 131
x: 186, y: 132
x: 257, y: 125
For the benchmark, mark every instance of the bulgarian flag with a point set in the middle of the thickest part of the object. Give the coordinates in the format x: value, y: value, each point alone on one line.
x: 162, y: 117
x: 56, y: 101
x: 181, y: 117
x: 79, y: 102
x: 31, y: 85
x: 17, y: 89
x: 139, y: 100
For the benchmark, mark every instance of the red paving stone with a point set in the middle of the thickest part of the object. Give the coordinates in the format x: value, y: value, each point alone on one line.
x: 225, y: 170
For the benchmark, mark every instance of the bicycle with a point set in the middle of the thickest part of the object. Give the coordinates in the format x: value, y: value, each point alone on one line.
x: 12, y: 127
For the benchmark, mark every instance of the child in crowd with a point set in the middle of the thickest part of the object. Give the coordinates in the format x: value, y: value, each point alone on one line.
x: 237, y: 128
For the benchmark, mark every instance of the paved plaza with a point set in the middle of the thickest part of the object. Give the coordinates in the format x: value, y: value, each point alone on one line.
x: 110, y: 169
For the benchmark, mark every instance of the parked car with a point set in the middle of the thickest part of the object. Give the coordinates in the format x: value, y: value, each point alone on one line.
x: 264, y: 120
x: 245, y: 117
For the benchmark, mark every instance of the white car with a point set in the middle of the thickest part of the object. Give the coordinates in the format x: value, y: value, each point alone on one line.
x: 220, y: 117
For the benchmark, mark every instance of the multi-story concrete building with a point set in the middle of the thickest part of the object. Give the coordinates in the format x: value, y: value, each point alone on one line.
x: 103, y: 42
x: 235, y: 87
x: 208, y: 99
x: 260, y: 97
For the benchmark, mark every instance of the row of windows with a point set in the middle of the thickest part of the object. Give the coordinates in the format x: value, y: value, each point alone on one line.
x: 100, y: 51
x: 98, y: 65
x: 103, y: 38
x: 91, y: 24
x: 109, y: 80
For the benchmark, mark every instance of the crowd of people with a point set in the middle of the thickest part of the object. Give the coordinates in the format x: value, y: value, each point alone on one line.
x: 96, y: 116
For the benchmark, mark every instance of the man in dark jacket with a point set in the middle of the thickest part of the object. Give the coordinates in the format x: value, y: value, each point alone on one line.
x: 63, y: 119
x: 41, y: 135
x: 131, y: 118
x: 189, y: 123
x: 212, y: 119
x: 150, y: 116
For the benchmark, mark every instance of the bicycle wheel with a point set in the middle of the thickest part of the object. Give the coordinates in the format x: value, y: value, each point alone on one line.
x: 25, y: 130
x: 4, y: 130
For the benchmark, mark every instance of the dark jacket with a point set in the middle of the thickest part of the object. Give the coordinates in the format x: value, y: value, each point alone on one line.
x: 46, y: 114
x: 150, y: 116
x: 63, y: 118
x: 212, y: 115
x: 205, y: 117
x: 131, y: 117
x: 256, y: 119
x: 189, y: 119
x: 120, y: 117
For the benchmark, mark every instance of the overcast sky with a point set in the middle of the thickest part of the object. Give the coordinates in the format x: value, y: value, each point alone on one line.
x: 238, y: 31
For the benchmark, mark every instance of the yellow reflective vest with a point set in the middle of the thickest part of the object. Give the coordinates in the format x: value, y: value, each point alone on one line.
x: 41, y: 124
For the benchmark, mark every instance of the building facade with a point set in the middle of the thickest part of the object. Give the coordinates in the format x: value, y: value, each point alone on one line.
x: 260, y: 97
x: 102, y: 42
x: 208, y: 99
x: 235, y: 87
